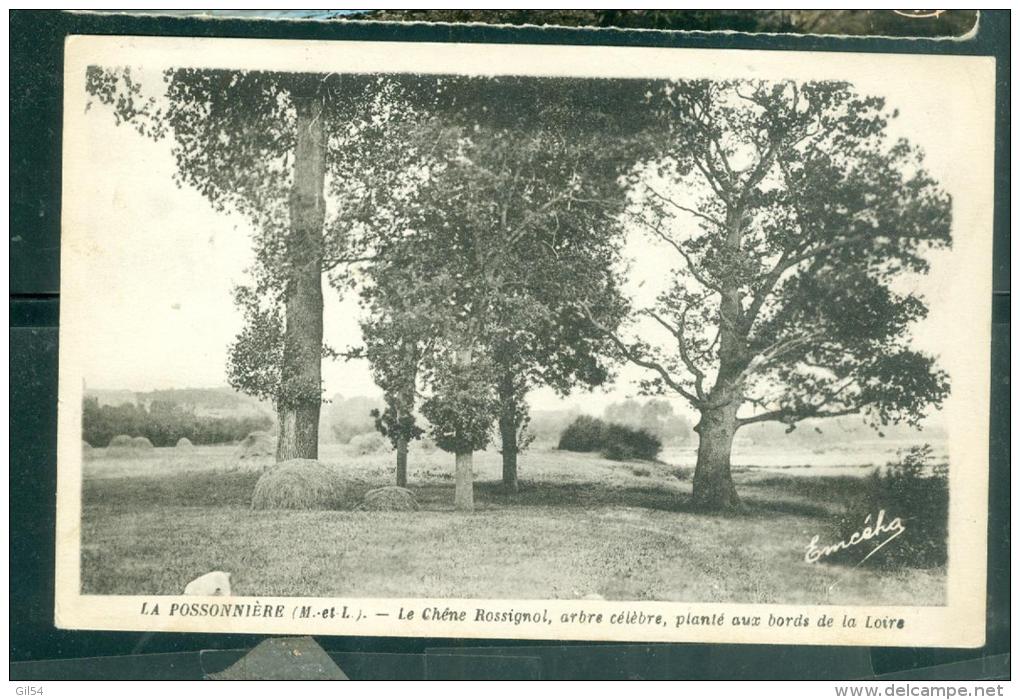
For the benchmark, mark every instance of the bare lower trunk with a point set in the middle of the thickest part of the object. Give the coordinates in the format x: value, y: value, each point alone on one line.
x: 713, y: 483
x: 508, y: 426
x: 510, y: 464
x: 402, y: 461
x: 464, y: 478
x: 301, y: 374
x: 464, y: 496
x: 508, y: 434
x: 299, y: 433
x: 404, y: 410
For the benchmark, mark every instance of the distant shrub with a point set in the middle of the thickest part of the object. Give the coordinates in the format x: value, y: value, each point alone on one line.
x: 683, y: 473
x: 369, y: 443
x: 163, y: 423
x: 614, y: 441
x: 622, y: 443
x: 914, y: 489
x: 583, y: 435
x: 654, y: 416
x: 641, y: 471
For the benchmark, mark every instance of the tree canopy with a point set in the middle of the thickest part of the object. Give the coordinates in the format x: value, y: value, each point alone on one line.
x: 792, y: 216
x: 483, y: 220
x: 794, y: 220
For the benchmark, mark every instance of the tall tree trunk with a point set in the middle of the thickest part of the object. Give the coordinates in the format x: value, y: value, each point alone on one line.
x: 508, y: 426
x: 301, y: 374
x: 508, y: 431
x: 404, y: 404
x: 402, y: 461
x: 713, y: 483
x: 464, y: 478
x: 464, y: 496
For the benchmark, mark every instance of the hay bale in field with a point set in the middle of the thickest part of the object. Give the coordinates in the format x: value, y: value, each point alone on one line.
x: 258, y: 444
x: 120, y: 442
x: 185, y: 445
x: 389, y: 498
x: 124, y: 446
x: 305, y: 484
x: 369, y: 443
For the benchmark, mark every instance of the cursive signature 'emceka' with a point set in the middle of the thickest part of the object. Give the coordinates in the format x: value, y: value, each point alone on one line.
x: 894, y: 528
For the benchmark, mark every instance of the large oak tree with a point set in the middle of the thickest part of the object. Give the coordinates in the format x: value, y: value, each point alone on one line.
x: 300, y: 156
x: 793, y: 217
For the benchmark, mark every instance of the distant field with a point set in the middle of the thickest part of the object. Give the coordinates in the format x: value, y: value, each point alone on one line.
x: 580, y: 526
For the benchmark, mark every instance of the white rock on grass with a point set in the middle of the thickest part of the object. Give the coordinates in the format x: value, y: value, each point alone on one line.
x: 212, y: 583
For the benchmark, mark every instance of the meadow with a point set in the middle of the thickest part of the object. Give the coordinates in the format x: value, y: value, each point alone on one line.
x: 581, y: 526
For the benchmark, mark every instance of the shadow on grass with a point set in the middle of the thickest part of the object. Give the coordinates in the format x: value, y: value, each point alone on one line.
x: 813, y: 498
x: 200, y: 489
x: 598, y: 495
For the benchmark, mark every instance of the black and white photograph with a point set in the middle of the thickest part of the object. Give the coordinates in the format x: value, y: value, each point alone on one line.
x: 524, y: 341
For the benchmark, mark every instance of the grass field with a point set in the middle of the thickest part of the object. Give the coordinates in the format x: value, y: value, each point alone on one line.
x: 580, y: 526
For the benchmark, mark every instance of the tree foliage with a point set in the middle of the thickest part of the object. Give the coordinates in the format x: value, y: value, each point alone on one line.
x: 233, y: 140
x: 462, y: 404
x: 793, y: 217
x: 511, y: 215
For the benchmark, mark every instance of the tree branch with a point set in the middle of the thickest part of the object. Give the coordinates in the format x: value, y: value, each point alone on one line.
x: 657, y: 230
x: 720, y: 191
x: 638, y: 360
x: 773, y: 352
x: 677, y: 332
x: 694, y: 212
x: 786, y: 415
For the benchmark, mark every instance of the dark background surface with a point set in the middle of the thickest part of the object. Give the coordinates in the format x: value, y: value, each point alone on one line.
x: 40, y: 651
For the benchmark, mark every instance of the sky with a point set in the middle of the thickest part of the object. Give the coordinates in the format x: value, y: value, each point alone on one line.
x: 163, y: 265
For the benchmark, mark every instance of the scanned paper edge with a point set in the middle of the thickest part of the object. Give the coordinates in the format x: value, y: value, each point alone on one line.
x: 960, y: 623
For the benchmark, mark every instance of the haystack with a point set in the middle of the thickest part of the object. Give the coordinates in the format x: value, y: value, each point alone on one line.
x: 303, y: 484
x: 369, y: 443
x: 120, y: 442
x: 389, y: 498
x: 258, y: 444
x: 141, y: 443
x: 184, y: 444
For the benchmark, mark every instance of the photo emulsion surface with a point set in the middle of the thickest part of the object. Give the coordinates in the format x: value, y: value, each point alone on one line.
x: 578, y: 342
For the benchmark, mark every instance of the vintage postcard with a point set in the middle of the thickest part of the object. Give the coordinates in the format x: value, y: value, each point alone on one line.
x: 514, y: 341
